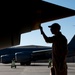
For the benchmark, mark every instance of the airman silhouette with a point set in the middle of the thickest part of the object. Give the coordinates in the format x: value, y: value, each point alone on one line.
x: 59, y: 49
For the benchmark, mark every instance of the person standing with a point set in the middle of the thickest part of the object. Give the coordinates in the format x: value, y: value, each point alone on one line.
x: 13, y: 63
x: 59, y: 49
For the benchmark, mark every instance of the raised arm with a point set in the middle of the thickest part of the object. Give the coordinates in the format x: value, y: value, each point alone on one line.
x: 44, y: 36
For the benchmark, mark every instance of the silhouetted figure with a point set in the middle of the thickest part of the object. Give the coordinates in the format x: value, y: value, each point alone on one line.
x: 59, y: 49
x: 50, y: 63
x: 13, y: 63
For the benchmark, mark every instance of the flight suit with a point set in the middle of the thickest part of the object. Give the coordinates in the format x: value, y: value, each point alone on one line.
x: 59, y: 53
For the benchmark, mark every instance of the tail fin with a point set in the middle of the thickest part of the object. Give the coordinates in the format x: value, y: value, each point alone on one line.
x: 71, y: 45
x: 71, y: 50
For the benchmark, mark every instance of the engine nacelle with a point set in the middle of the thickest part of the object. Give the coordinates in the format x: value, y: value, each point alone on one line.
x: 7, y: 58
x: 23, y: 56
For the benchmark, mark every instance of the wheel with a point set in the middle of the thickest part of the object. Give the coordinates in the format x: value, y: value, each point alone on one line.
x: 22, y: 63
x: 28, y: 63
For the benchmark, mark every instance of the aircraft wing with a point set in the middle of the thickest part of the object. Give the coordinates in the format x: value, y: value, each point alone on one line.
x: 41, y: 55
x: 24, y: 16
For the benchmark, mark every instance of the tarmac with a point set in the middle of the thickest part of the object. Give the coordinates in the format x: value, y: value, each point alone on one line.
x: 33, y: 69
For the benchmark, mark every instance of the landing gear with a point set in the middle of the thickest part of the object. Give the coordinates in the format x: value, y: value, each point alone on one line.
x: 25, y: 63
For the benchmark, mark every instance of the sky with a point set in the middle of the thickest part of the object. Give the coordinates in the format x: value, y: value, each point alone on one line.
x: 67, y: 27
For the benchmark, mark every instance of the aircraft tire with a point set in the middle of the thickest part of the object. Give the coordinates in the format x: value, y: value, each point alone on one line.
x: 22, y: 63
x: 28, y: 63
